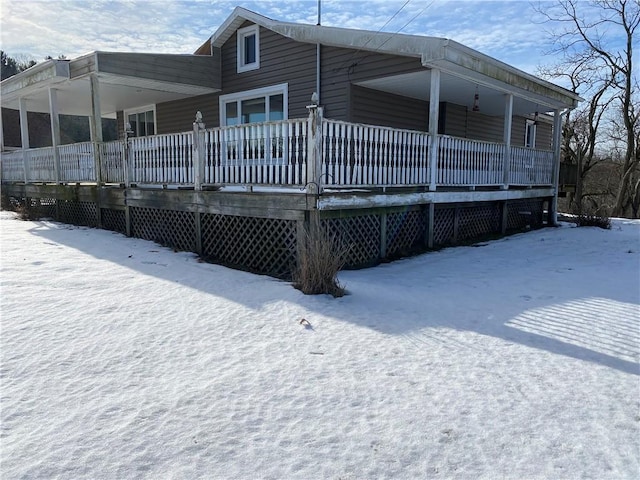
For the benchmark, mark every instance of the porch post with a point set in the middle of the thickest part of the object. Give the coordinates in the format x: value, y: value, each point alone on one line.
x: 1, y: 133
x: 55, y: 131
x: 95, y: 124
x: 434, y: 108
x: 24, y: 136
x: 198, y: 155
x: 557, y: 139
x: 314, y: 149
x: 508, y: 120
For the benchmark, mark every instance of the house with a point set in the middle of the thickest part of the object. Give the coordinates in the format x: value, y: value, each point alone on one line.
x: 392, y: 142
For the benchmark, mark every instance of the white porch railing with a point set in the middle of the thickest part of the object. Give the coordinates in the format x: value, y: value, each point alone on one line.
x: 272, y: 153
x: 278, y: 153
x: 162, y: 159
x: 530, y: 167
x: 367, y: 155
x: 112, y: 162
x: 13, y: 166
x: 77, y: 162
x: 464, y: 162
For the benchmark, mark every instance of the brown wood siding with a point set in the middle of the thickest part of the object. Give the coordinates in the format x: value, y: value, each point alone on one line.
x: 199, y: 70
x: 381, y: 108
x: 342, y: 67
x: 455, y: 120
x: 282, y: 60
x: 179, y: 115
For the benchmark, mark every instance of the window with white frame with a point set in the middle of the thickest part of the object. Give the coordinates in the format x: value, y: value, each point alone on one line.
x: 258, y: 144
x: 248, y: 48
x: 530, y: 134
x: 260, y: 105
x: 142, y: 121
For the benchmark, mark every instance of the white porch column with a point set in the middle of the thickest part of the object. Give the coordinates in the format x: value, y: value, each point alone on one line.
x: 95, y: 124
x: 1, y: 134
x: 434, y: 109
x: 557, y: 140
x: 24, y: 137
x: 508, y: 120
x: 55, y: 131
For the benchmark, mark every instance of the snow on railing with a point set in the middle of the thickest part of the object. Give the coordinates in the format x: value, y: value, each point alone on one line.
x: 357, y: 154
x: 77, y: 162
x: 162, y: 159
x: 272, y: 153
x: 530, y: 167
x: 469, y: 162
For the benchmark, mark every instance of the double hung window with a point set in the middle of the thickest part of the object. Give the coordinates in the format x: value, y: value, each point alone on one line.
x: 248, y: 48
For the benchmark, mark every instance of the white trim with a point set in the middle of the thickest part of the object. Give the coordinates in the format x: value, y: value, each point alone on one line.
x: 282, y: 88
x: 243, y: 33
x: 530, y: 124
x: 145, y: 108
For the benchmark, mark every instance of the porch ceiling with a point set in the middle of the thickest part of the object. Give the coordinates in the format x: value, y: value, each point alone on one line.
x: 458, y: 90
x: 122, y: 83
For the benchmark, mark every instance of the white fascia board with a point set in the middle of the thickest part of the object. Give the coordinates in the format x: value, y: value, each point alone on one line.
x: 40, y: 75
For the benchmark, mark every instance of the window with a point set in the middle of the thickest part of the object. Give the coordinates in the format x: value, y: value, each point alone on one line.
x: 142, y: 121
x: 530, y: 134
x: 248, y: 48
x: 260, y: 105
x: 257, y: 144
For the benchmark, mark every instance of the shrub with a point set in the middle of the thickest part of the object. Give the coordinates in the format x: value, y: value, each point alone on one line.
x: 320, y: 258
x: 593, y: 220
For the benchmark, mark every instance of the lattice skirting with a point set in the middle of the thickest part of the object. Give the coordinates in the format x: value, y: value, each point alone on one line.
x: 360, y: 235
x: 115, y: 220
x: 269, y: 245
x: 263, y: 245
x: 526, y: 213
x: 406, y: 232
x: 171, y: 228
x: 77, y: 213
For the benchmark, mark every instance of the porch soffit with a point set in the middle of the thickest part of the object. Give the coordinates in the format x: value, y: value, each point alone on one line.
x: 129, y: 88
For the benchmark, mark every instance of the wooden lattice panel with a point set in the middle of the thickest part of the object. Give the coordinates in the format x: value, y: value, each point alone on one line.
x: 114, y: 220
x: 526, y: 213
x: 77, y: 213
x: 262, y: 245
x: 360, y: 235
x: 443, y: 226
x: 405, y: 232
x: 478, y: 220
x: 167, y: 227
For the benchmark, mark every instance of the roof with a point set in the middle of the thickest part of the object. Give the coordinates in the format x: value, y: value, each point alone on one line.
x: 444, y: 54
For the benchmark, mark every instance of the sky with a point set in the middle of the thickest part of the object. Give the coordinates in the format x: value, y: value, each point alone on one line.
x: 511, y: 31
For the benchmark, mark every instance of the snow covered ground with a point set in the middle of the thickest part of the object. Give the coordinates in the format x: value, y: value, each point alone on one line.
x: 514, y: 359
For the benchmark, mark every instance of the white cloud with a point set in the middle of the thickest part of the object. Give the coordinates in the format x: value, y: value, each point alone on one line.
x: 37, y: 28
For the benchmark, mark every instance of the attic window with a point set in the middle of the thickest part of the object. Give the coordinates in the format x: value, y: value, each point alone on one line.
x: 248, y: 48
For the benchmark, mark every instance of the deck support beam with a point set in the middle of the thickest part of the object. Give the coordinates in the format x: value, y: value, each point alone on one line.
x: 24, y: 136
x: 508, y: 120
x: 431, y: 223
x: 55, y: 131
x: 434, y: 110
x: 557, y: 139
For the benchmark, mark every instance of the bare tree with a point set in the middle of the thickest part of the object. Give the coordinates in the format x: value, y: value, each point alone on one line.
x: 601, y: 69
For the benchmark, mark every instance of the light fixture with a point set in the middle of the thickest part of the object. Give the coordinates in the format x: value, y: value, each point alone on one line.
x: 476, y: 101
x: 535, y: 118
